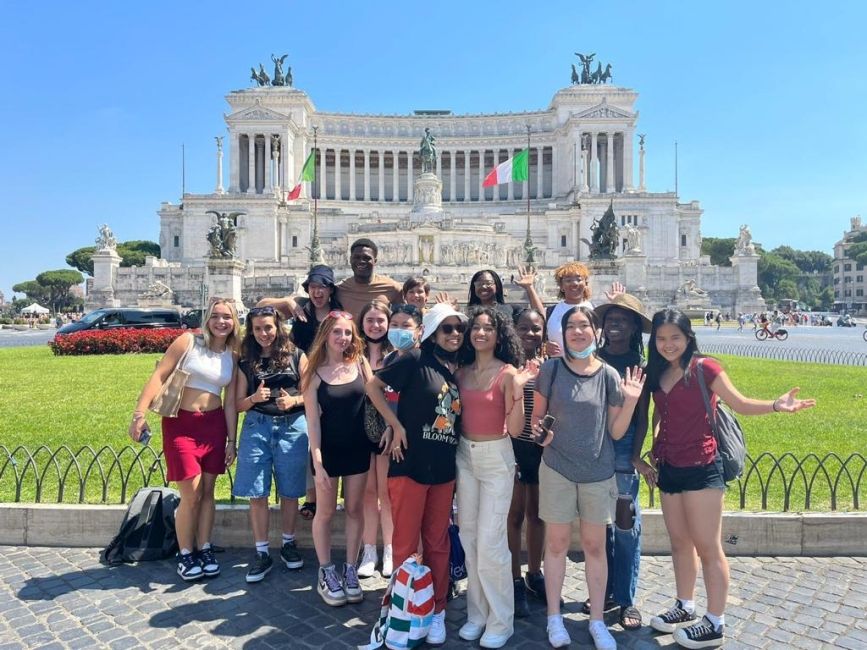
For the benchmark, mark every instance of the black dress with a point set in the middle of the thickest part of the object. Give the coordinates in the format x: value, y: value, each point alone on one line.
x: 345, y: 447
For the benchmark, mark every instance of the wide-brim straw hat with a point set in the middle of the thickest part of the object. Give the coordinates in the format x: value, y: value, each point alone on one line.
x: 627, y: 302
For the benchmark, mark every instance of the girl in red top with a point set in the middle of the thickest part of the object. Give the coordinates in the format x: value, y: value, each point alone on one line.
x: 689, y: 471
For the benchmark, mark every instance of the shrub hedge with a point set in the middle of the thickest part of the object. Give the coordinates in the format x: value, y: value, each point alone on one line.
x: 118, y: 341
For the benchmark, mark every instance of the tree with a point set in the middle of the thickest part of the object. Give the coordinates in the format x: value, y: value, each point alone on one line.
x: 132, y: 253
x: 806, y: 261
x: 34, y: 291
x: 772, y: 270
x: 720, y: 249
x: 58, y: 283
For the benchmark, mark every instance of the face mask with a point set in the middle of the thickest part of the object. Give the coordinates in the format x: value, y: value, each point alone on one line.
x: 445, y: 355
x: 379, y: 340
x: 401, y: 339
x: 583, y: 354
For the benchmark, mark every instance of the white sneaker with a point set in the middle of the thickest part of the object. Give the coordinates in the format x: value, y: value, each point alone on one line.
x: 369, y: 558
x: 471, y: 631
x: 602, y: 638
x: 437, y: 633
x: 387, y: 561
x: 558, y: 637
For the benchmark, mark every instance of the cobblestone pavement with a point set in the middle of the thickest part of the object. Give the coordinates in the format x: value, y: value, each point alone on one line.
x: 54, y: 598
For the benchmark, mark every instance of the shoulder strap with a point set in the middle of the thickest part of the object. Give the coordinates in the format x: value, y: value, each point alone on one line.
x: 705, y: 396
x: 548, y: 311
x: 186, y: 352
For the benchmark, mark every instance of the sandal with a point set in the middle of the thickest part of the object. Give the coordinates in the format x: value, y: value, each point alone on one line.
x: 609, y: 604
x: 630, y: 618
x: 308, y: 510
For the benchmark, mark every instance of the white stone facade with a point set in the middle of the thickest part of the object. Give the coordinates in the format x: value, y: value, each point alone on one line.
x: 850, y: 286
x: 581, y: 160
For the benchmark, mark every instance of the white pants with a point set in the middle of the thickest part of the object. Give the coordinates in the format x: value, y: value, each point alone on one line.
x: 486, y: 475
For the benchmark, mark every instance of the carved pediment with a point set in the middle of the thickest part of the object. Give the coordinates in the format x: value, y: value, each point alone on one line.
x: 604, y: 111
x: 257, y: 113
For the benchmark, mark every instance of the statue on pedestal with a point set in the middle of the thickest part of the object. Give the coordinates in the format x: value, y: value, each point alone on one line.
x: 633, y: 240
x: 428, y: 152
x: 106, y: 239
x: 744, y: 245
x: 604, y: 242
x: 223, y: 235
x: 279, y: 79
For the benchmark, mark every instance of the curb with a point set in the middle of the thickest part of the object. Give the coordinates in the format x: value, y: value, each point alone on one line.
x: 768, y: 534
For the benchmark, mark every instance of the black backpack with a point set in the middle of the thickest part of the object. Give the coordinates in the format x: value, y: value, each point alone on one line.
x: 148, y: 529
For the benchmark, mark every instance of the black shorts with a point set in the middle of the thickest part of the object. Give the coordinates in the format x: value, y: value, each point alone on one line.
x: 528, y: 455
x: 674, y: 480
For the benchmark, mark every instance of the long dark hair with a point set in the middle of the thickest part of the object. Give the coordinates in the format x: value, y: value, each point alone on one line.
x: 636, y: 341
x: 473, y: 299
x: 283, y: 349
x: 508, y: 348
x: 591, y: 316
x: 656, y: 363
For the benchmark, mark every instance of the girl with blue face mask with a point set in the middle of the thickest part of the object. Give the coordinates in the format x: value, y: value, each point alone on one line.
x: 404, y: 328
x: 591, y: 405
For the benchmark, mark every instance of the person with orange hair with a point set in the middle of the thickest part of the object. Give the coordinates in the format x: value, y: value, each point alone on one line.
x: 333, y: 384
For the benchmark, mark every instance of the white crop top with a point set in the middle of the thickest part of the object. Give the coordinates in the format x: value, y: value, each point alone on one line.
x: 209, y: 371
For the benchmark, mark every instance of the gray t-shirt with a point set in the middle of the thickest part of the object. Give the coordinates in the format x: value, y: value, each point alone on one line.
x: 582, y: 450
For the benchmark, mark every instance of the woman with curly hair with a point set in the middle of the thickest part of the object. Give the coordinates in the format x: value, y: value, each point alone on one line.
x: 274, y: 434
x: 333, y: 385
x: 492, y: 394
x: 573, y: 280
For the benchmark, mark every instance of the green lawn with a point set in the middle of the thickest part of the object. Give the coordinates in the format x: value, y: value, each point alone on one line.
x: 88, y: 400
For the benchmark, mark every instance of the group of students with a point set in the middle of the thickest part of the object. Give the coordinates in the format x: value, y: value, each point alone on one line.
x: 527, y: 416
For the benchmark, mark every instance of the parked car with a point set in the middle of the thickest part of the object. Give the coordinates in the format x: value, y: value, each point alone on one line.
x: 110, y: 318
x: 192, y: 319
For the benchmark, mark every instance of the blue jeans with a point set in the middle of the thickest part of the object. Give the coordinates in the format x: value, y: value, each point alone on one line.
x: 624, y: 546
x: 272, y: 445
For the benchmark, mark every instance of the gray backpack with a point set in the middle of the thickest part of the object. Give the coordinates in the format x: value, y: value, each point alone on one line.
x: 148, y: 529
x: 727, y: 430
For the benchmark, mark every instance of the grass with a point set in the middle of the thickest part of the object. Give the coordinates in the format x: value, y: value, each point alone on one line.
x: 88, y: 400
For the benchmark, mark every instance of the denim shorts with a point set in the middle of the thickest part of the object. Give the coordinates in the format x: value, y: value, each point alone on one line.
x: 272, y: 444
x: 673, y: 480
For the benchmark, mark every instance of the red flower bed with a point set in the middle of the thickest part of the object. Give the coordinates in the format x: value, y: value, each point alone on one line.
x: 118, y: 341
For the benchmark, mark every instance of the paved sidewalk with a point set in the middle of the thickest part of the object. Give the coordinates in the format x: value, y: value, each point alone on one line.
x: 53, y: 598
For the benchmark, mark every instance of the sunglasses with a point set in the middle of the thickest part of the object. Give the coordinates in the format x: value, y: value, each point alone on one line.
x: 215, y: 299
x: 448, y: 328
x: 340, y: 314
x: 261, y: 311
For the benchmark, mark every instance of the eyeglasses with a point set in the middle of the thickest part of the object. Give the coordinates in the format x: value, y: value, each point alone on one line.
x: 340, y: 314
x: 261, y: 311
x: 448, y: 328
x: 573, y: 278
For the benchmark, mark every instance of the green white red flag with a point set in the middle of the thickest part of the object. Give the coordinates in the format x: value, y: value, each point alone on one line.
x: 308, y: 173
x: 515, y: 170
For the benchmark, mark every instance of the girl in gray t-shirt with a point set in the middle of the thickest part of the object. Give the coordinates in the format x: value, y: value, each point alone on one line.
x: 591, y: 405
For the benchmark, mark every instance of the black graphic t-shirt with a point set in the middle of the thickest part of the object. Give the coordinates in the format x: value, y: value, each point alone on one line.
x: 428, y: 409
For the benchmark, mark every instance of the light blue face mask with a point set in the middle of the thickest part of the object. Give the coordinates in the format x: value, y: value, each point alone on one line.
x: 583, y: 354
x: 401, y: 339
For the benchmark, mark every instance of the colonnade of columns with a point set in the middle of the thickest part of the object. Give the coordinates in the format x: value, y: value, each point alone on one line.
x: 606, y: 161
x: 387, y: 175
x: 255, y: 165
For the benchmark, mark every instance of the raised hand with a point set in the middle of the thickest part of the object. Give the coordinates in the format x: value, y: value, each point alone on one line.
x: 443, y: 296
x: 552, y: 349
x: 526, y: 277
x: 788, y: 402
x: 525, y: 373
x: 616, y: 289
x: 632, y: 383
x: 262, y: 394
x: 284, y: 400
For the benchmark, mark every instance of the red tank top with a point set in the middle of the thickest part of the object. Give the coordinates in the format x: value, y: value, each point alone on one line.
x: 483, y: 412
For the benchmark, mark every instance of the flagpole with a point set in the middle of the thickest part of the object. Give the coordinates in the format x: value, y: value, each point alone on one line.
x: 315, y: 250
x: 528, y: 241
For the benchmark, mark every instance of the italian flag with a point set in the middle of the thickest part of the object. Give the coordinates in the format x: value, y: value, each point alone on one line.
x: 308, y: 173
x: 515, y: 169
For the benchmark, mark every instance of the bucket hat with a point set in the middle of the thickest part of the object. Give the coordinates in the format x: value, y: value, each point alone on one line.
x: 436, y: 315
x: 627, y: 302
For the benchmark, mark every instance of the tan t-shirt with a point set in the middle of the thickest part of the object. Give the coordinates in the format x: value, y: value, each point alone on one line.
x: 354, y: 295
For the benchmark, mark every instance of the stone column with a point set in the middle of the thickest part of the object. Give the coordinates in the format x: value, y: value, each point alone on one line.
x: 481, y: 174
x: 352, y: 174
x: 410, y: 181
x: 555, y: 170
x: 395, y: 176
x: 266, y: 179
x: 453, y: 176
x: 628, y: 137
x: 338, y: 175
x: 439, y: 167
x: 381, y: 195
x: 540, y: 172
x: 584, y: 171
x: 323, y: 167
x: 234, y: 150
x: 367, y: 174
x: 251, y: 163
x: 594, y: 162
x: 510, y: 192
x: 495, y: 193
x: 219, y: 188
x: 467, y: 193
x: 641, y: 185
x: 609, y: 163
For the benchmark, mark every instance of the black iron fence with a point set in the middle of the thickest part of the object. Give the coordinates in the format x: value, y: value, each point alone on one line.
x: 107, y: 475
x: 777, y: 352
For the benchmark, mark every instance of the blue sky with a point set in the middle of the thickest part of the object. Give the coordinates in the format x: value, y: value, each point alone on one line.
x: 766, y: 99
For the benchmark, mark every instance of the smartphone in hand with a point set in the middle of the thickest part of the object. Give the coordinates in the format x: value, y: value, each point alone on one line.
x: 145, y: 436
x: 547, y: 425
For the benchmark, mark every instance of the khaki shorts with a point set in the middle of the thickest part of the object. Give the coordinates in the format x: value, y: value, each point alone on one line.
x: 561, y: 500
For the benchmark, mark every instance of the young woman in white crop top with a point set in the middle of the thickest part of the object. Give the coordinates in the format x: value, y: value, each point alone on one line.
x: 199, y: 443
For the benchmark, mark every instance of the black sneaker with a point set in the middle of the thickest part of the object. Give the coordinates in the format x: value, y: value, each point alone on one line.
x: 290, y: 555
x: 701, y: 635
x: 522, y: 609
x: 536, y: 585
x: 260, y: 567
x: 188, y: 567
x: 208, y: 562
x: 672, y: 619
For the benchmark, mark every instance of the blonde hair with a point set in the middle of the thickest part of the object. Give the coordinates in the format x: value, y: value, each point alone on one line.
x: 569, y: 269
x: 318, y: 354
x: 234, y: 339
